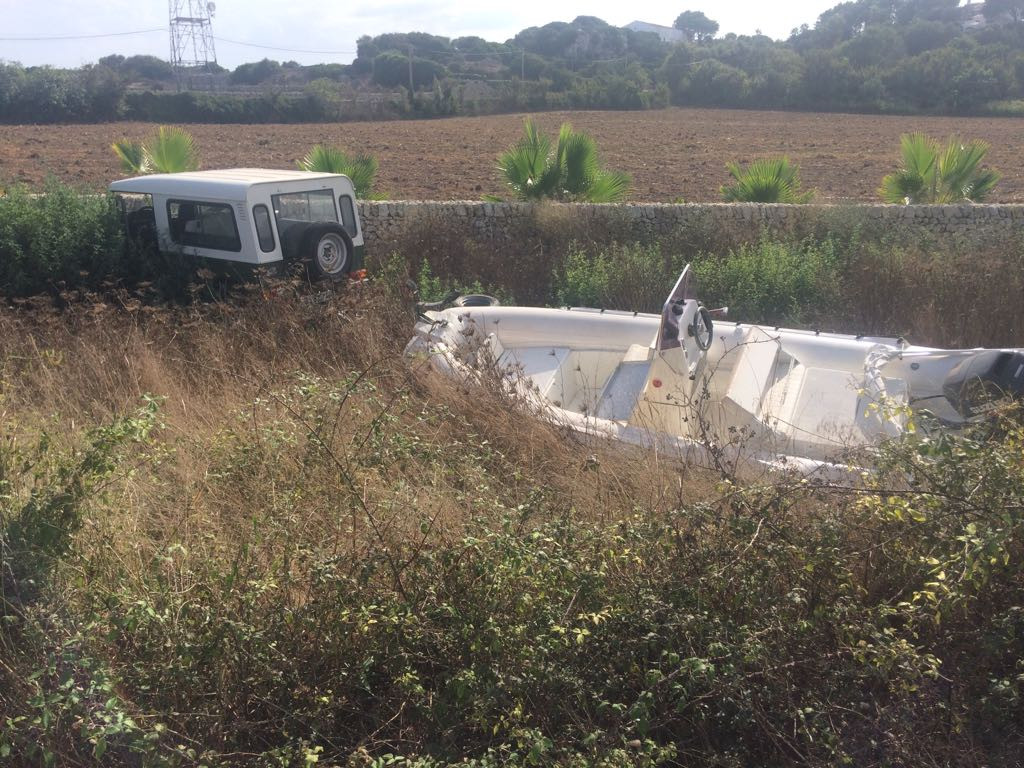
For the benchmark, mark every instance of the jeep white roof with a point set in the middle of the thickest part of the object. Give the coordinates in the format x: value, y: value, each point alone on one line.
x: 228, y: 183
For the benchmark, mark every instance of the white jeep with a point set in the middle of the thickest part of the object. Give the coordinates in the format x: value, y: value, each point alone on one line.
x: 249, y: 217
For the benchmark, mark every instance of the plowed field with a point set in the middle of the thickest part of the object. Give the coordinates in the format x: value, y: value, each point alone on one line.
x: 672, y: 154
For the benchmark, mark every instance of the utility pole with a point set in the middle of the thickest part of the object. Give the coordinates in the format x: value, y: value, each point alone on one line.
x: 412, y: 86
x: 522, y: 67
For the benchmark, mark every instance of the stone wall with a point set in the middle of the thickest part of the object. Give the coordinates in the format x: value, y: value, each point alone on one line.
x: 387, y: 222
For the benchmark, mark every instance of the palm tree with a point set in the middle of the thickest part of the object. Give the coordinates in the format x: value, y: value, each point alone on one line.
x: 931, y: 173
x: 571, y: 172
x: 171, y: 150
x: 131, y: 155
x: 768, y: 180
x: 361, y: 169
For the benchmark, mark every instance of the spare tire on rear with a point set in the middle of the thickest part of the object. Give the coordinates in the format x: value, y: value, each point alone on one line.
x: 476, y: 300
x: 328, y: 250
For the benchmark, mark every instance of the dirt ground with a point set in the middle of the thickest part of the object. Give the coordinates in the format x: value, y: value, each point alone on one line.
x: 672, y: 154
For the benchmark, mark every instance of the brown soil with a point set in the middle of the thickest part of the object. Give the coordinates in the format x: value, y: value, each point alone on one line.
x: 672, y: 154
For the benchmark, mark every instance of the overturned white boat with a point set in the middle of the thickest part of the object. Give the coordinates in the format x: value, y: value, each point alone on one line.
x: 725, y: 394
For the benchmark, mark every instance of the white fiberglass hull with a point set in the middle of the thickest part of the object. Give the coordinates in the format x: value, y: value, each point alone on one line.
x: 761, y: 396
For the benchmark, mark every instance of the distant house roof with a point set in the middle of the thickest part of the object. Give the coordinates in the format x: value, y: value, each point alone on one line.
x: 972, y: 15
x: 667, y: 34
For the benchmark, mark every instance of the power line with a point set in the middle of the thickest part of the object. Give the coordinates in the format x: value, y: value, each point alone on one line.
x: 276, y: 48
x: 81, y: 37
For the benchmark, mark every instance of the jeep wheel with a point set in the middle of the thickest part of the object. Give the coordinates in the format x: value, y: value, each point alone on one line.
x: 329, y: 252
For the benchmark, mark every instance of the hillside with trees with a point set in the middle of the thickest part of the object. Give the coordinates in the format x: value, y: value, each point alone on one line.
x: 875, y: 56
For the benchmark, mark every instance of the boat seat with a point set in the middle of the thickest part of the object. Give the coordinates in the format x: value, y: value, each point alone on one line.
x: 753, y: 371
x: 623, y: 388
x: 820, y: 416
x: 541, y: 366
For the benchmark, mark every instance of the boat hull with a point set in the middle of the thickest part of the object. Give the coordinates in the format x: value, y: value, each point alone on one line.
x: 777, y: 398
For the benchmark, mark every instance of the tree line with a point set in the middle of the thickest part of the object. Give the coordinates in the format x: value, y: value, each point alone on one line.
x: 907, y: 56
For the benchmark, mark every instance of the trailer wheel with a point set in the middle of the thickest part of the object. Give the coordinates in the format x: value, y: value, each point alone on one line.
x: 328, y: 249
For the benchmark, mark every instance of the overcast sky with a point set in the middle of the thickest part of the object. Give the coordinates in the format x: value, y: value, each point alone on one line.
x: 330, y: 25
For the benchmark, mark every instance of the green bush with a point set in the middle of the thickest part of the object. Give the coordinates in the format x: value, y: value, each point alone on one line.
x: 767, y: 281
x: 774, y: 282
x: 61, y: 238
x: 635, y: 277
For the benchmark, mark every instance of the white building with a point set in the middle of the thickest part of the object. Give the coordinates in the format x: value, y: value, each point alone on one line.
x: 667, y: 34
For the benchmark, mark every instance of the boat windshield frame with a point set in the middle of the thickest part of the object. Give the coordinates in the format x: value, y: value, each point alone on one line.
x: 685, y: 289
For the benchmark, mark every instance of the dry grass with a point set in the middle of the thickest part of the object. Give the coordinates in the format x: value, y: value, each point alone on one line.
x: 215, y: 365
x: 322, y: 546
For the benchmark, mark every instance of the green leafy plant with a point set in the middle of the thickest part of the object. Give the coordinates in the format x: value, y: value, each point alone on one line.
x: 170, y: 150
x: 131, y: 155
x: 360, y: 168
x: 632, y: 277
x: 773, y: 282
x: 932, y: 173
x: 767, y: 180
x: 570, y: 171
x: 58, y: 238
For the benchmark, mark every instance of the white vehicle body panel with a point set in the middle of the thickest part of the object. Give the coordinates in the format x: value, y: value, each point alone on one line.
x: 242, y: 189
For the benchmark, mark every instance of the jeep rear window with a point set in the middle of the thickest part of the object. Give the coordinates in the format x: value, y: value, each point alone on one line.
x: 203, y: 225
x: 348, y: 215
x: 317, y: 205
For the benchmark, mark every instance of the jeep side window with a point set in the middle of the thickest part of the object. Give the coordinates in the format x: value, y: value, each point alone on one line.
x: 348, y: 215
x: 137, y: 210
x: 203, y: 225
x: 264, y: 231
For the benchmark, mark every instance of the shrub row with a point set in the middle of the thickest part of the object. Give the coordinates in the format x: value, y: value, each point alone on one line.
x: 841, y: 273
x: 844, y: 277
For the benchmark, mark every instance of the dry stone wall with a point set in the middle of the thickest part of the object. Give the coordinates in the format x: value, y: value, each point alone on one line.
x: 387, y: 222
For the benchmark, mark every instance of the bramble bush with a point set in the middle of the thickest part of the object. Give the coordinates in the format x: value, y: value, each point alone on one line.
x: 368, y: 568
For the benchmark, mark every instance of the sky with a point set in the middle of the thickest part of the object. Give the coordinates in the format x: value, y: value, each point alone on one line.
x: 332, y: 27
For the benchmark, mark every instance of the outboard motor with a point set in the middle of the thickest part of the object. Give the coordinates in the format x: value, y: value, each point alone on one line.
x: 984, y: 382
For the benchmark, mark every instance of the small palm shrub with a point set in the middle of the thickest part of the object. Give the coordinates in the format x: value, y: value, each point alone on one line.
x: 570, y: 171
x: 767, y: 180
x: 170, y: 150
x: 360, y: 168
x: 932, y: 173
